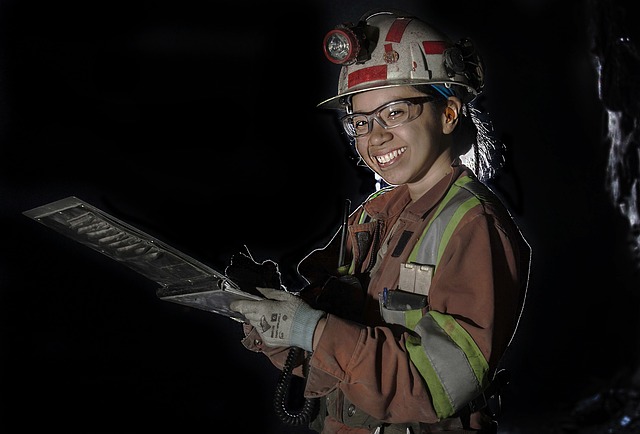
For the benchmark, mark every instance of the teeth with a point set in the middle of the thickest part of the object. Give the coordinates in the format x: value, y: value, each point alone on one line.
x: 383, y: 159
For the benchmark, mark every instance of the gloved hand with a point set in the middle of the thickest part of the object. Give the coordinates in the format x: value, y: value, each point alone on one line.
x: 282, y: 318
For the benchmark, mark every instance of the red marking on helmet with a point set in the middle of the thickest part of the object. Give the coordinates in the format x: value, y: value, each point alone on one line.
x: 434, y: 47
x: 388, y: 48
x: 378, y: 72
x: 397, y: 29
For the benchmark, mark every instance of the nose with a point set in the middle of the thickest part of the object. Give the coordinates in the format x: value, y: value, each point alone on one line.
x: 378, y: 134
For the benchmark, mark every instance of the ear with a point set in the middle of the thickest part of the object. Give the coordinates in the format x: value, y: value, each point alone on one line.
x: 450, y: 114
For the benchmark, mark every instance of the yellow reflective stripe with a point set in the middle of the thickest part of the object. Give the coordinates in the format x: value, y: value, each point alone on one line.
x: 441, y: 403
x: 454, y: 373
x: 463, y: 181
x: 450, y: 194
x: 463, y: 339
x: 458, y: 371
x: 363, y: 216
x: 453, y: 223
x: 411, y: 318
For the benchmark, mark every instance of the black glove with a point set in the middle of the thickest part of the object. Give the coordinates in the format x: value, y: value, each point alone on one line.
x: 342, y: 296
x: 249, y: 274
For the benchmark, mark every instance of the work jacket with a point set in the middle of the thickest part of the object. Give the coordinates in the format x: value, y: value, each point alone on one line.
x: 422, y: 363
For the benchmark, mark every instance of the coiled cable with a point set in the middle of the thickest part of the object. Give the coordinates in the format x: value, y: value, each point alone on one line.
x: 308, y: 410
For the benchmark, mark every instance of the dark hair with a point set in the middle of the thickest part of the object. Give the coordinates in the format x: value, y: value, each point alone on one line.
x: 474, y: 139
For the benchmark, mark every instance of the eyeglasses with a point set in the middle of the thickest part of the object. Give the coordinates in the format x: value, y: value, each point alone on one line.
x: 390, y: 115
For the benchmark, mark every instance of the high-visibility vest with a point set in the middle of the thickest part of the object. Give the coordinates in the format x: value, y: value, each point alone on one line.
x: 444, y: 353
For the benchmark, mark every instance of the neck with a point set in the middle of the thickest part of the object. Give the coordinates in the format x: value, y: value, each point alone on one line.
x: 440, y: 169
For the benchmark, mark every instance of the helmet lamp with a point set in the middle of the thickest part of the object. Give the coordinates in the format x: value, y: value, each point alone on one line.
x: 341, y: 46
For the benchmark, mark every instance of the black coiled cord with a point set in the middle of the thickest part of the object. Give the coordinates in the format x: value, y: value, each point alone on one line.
x: 302, y: 416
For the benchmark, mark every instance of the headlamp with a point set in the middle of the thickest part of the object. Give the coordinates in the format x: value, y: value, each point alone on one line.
x: 346, y: 44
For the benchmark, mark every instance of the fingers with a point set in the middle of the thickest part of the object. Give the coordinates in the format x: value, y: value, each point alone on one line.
x: 254, y: 318
x: 274, y: 294
x: 250, y: 309
x: 244, y: 306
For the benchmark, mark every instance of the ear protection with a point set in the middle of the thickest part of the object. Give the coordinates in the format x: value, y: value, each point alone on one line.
x: 450, y: 114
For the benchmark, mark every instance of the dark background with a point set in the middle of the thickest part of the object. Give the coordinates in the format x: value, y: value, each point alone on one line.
x: 197, y: 123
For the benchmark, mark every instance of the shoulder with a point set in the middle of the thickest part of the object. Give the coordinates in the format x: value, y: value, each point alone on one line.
x: 483, y: 202
x: 480, y: 194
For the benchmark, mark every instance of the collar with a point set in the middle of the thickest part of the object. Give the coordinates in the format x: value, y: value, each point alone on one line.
x: 396, y: 200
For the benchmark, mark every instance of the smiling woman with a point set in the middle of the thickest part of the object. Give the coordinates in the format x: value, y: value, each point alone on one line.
x: 198, y: 122
x: 410, y: 308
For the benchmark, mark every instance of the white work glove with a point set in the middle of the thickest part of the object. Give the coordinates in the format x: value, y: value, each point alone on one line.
x: 282, y: 318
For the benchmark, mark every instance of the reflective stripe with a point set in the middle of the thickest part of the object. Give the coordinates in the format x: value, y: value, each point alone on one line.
x: 427, y: 246
x: 475, y: 194
x: 397, y: 29
x: 448, y: 359
x: 432, y: 242
x: 365, y: 75
x: 453, y: 223
x: 444, y: 353
x: 363, y: 216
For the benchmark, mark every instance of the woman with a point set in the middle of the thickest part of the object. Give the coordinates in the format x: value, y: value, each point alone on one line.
x: 411, y: 307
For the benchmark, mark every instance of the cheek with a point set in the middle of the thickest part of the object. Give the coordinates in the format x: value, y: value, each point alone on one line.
x: 426, y: 135
x: 414, y: 134
x: 361, y: 147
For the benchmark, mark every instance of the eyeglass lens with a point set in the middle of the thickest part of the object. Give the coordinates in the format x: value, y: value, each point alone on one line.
x: 390, y: 115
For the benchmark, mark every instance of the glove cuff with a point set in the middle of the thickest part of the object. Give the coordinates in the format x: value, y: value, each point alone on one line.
x: 304, y: 324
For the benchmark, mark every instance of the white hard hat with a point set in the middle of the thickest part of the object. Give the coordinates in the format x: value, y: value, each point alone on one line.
x: 392, y: 48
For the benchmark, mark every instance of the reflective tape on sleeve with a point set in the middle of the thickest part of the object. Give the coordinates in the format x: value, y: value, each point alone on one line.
x: 448, y: 359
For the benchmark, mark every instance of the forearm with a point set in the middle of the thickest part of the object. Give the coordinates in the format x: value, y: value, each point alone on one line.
x: 370, y: 365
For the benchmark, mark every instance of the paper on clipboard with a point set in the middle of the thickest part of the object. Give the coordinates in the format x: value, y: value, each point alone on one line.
x: 182, y: 279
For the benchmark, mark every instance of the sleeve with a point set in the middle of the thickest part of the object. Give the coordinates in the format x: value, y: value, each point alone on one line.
x: 277, y: 355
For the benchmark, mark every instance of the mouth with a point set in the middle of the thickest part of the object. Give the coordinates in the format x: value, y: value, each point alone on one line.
x: 389, y: 158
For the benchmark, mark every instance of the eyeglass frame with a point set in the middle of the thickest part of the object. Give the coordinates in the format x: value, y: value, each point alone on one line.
x: 375, y: 114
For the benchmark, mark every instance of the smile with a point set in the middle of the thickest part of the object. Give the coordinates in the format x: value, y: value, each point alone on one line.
x: 388, y: 158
